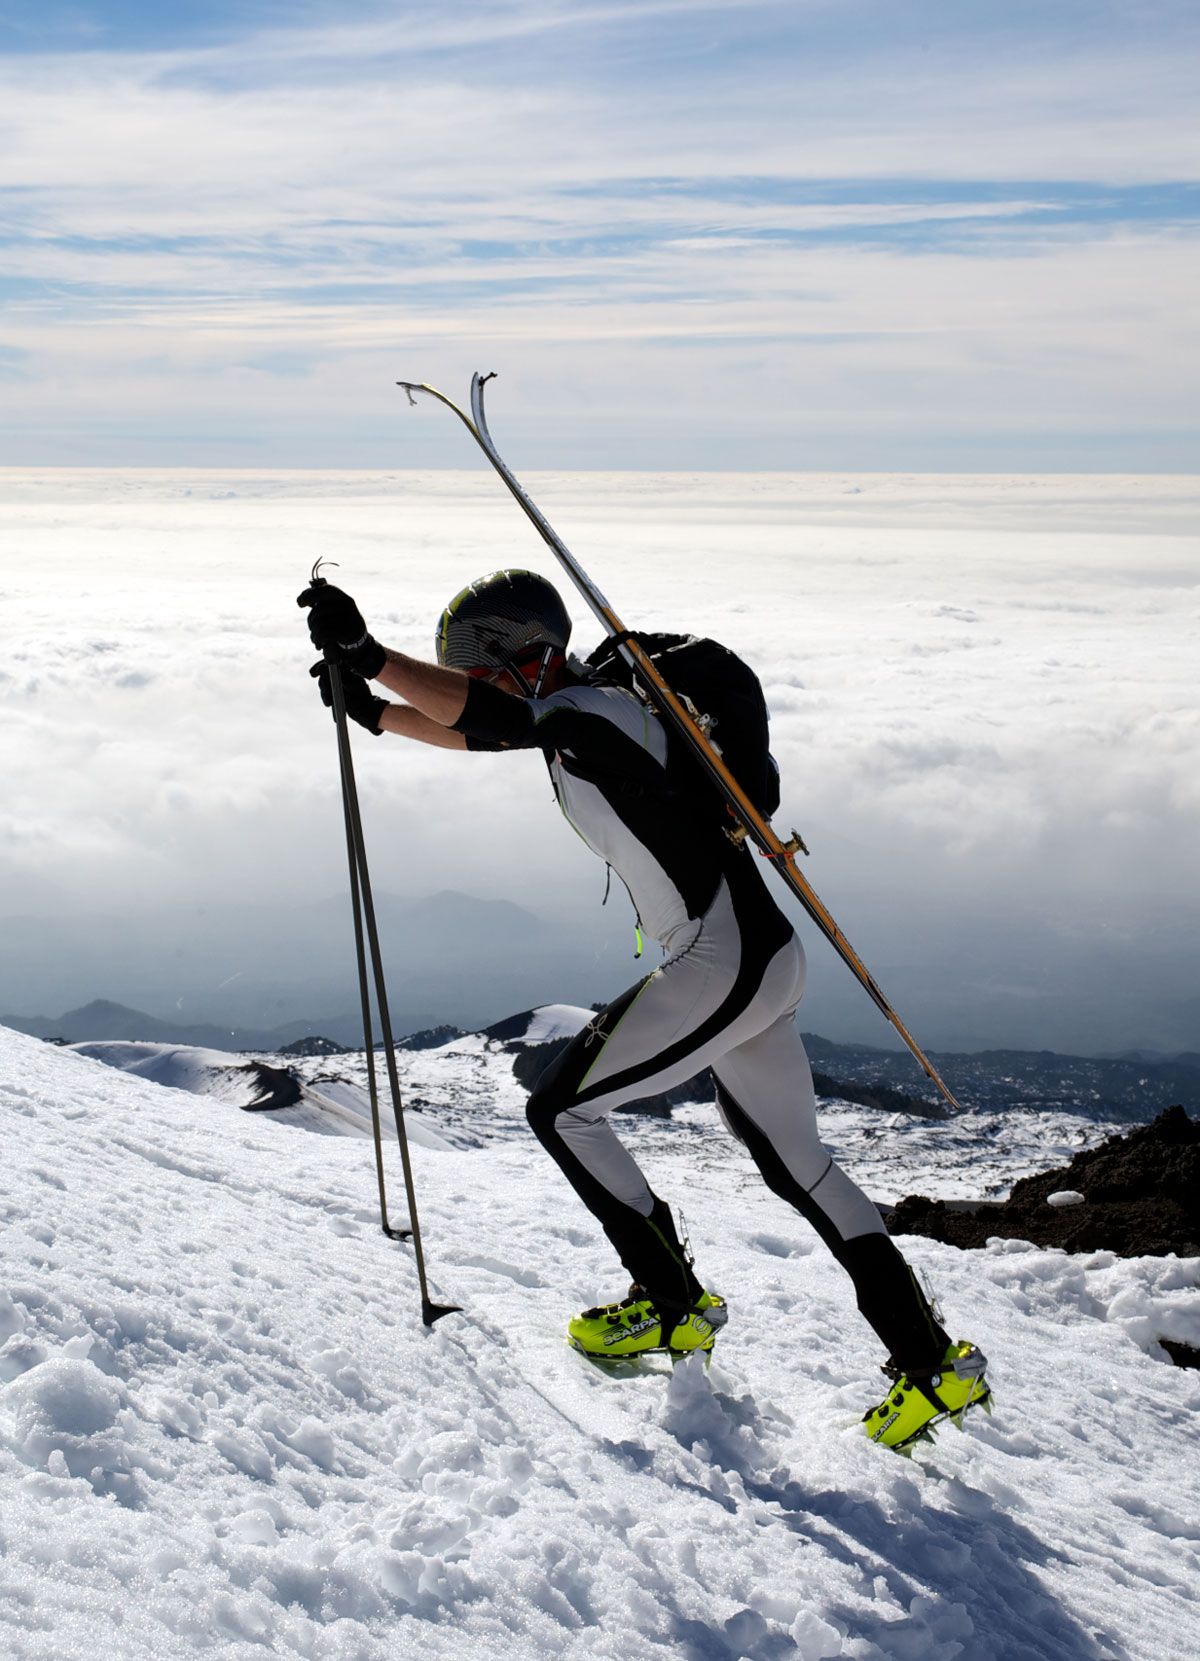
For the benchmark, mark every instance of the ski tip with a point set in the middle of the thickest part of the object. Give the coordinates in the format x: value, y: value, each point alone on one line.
x: 431, y: 1312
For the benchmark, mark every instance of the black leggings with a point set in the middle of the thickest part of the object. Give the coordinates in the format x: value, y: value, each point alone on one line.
x: 717, y: 1002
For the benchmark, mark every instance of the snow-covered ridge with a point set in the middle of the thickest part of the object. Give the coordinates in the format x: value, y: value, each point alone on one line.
x: 553, y: 1021
x: 463, y: 1093
x: 253, y: 1085
x: 223, y: 1429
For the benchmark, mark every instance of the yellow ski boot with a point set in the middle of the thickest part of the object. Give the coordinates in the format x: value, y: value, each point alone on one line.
x: 634, y: 1327
x: 920, y: 1400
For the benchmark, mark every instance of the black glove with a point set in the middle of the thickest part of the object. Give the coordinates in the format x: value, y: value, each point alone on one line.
x: 335, y: 620
x: 361, y: 703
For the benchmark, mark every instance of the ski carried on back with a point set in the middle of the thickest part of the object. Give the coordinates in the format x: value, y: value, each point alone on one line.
x: 751, y: 822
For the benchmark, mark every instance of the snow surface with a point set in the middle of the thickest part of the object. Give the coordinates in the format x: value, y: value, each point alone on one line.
x: 181, y: 1067
x: 223, y: 1430
x: 556, y: 1021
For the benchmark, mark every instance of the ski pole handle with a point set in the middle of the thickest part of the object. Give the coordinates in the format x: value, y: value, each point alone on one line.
x: 329, y: 651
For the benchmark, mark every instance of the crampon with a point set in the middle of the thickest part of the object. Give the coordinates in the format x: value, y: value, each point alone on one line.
x: 920, y: 1401
x: 633, y: 1327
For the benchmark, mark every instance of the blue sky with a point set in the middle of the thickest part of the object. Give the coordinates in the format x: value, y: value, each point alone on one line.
x: 800, y: 235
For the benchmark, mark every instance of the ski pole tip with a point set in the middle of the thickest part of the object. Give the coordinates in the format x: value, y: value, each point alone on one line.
x: 431, y: 1312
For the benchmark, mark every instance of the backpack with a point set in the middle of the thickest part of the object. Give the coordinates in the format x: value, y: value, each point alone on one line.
x: 723, y: 694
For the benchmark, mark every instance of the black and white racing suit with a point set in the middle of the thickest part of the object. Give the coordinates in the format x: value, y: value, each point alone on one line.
x: 725, y: 997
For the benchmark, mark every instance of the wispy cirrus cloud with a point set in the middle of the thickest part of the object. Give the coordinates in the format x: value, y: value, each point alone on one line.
x: 222, y: 191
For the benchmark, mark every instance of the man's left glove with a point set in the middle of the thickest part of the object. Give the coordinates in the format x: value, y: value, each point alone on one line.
x: 361, y: 703
x: 335, y: 620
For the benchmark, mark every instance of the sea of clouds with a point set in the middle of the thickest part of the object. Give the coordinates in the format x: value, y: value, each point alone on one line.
x: 984, y: 709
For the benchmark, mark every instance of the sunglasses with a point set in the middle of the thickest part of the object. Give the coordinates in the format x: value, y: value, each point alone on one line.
x: 530, y: 672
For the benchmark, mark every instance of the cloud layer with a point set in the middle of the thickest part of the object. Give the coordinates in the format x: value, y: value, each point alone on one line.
x: 983, y: 693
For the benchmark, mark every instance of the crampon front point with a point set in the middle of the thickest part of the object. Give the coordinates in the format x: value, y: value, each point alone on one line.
x: 919, y: 1401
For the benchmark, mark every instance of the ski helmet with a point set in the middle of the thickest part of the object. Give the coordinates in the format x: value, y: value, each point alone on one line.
x: 504, y: 621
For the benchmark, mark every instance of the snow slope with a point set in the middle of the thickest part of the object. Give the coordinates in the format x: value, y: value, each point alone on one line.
x: 190, y: 1067
x: 552, y: 1021
x: 224, y: 1432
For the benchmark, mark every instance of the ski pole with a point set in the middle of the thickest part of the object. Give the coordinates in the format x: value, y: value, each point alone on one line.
x: 360, y: 946
x: 751, y: 822
x: 364, y: 914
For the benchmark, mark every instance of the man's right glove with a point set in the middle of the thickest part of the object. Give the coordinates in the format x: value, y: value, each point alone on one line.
x: 335, y: 620
x: 361, y: 703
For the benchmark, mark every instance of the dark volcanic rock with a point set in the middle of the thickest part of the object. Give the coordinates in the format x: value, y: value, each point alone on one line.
x: 314, y: 1046
x: 513, y: 1028
x: 1141, y: 1199
x: 274, y: 1086
x: 1183, y: 1355
x: 878, y: 1095
x: 429, y: 1038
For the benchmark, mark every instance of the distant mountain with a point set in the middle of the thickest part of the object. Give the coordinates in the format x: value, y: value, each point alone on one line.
x: 480, y: 918
x: 1101, y: 1087
x: 1106, y: 1088
x: 430, y: 1038
x: 280, y: 972
x: 101, y: 1020
x: 316, y: 1045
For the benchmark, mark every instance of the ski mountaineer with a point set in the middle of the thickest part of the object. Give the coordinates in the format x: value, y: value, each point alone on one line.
x: 725, y: 996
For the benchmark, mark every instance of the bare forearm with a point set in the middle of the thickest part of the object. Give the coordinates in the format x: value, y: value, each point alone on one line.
x: 410, y: 723
x: 435, y: 692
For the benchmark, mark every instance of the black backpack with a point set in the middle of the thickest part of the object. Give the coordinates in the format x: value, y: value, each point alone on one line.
x: 723, y: 693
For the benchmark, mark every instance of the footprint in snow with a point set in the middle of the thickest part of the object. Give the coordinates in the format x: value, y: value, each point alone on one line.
x: 775, y: 1245
x: 523, y: 1277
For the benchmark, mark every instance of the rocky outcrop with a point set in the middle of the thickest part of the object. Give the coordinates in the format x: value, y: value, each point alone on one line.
x: 1137, y: 1195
